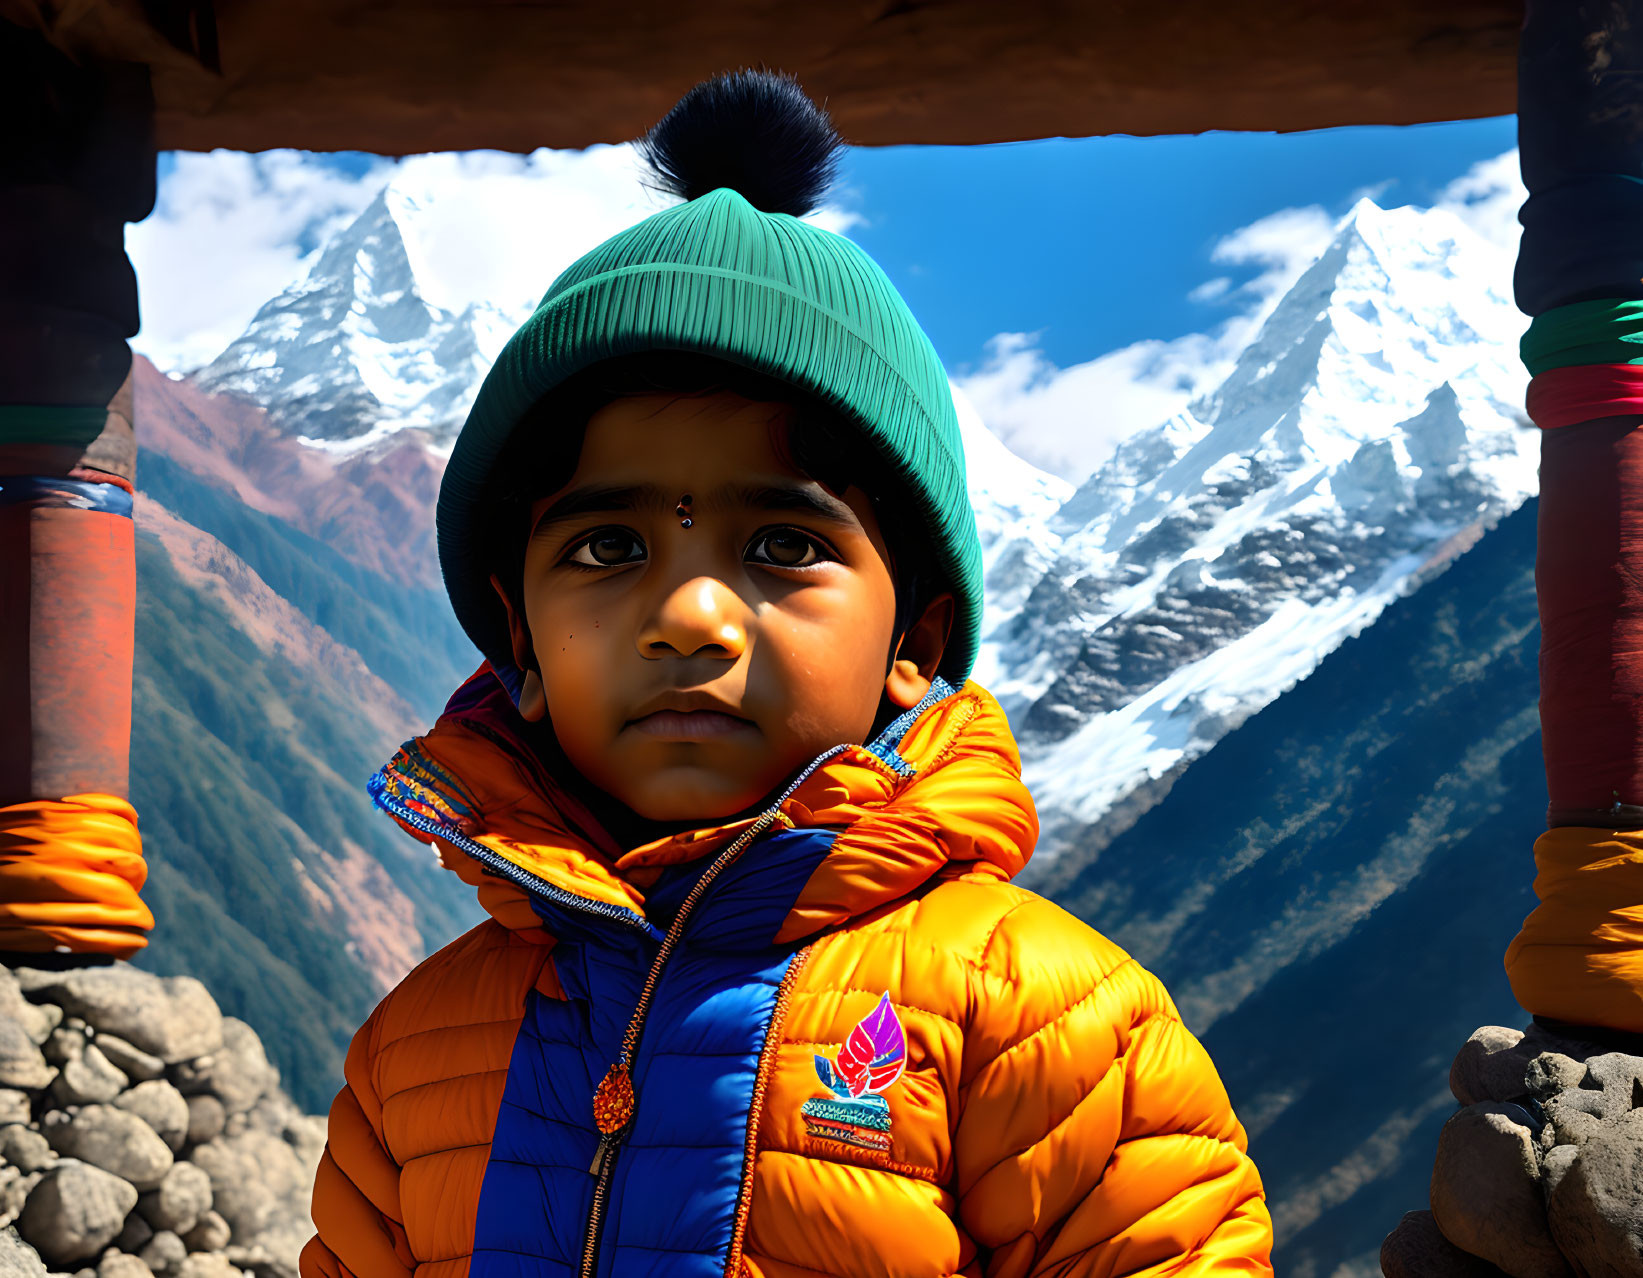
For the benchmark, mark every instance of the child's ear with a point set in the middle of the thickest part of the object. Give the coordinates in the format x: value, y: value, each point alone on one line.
x: 533, y: 702
x: 918, y: 655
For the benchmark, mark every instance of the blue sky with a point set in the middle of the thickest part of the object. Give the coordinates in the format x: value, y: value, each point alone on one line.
x: 1051, y: 275
x: 1098, y: 242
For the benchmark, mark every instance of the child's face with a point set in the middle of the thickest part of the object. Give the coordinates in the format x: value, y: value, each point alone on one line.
x: 688, y: 672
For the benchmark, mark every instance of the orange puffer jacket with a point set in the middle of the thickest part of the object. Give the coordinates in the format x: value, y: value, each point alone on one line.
x: 830, y: 1040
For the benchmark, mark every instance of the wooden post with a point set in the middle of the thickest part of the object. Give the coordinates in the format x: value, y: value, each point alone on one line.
x: 77, y: 163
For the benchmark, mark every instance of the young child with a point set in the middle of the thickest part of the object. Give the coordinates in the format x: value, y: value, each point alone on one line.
x: 756, y: 995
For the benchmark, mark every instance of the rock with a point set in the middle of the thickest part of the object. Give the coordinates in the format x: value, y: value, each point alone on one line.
x: 206, y: 1117
x: 135, y: 1235
x: 74, y: 1211
x: 15, y: 1187
x: 164, y: 1252
x: 1594, y: 1101
x: 116, y: 1141
x: 10, y: 1201
x: 1489, y: 1066
x: 52, y: 1119
x: 305, y: 1133
x: 1554, y: 1165
x: 1572, y: 1126
x: 21, y: 1064
x: 1581, y: 1100
x: 1618, y: 1076
x: 205, y: 1264
x: 88, y: 1078
x: 162, y: 1107
x: 14, y: 1106
x: 24, y: 1149
x: 1418, y: 1249
x: 1552, y: 1072
x: 1596, y: 1210
x: 17, y: 1258
x: 119, y: 1264
x: 182, y: 1198
x: 238, y: 1073
x: 37, y: 1023
x: 1486, y: 1196
x: 49, y: 1015
x: 174, y: 1018
x: 64, y: 1044
x: 250, y: 1174
x: 211, y: 1234
x: 283, y: 1241
x: 255, y: 1257
x: 139, y: 1066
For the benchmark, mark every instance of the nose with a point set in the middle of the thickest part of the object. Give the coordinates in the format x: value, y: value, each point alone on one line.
x: 700, y: 617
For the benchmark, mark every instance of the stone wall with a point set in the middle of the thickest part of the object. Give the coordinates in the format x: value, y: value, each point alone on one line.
x: 1539, y: 1174
x: 143, y: 1134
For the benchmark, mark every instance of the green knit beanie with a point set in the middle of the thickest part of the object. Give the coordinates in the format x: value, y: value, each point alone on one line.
x: 734, y: 273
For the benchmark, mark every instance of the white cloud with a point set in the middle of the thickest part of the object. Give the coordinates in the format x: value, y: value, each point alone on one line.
x: 1210, y: 290
x: 493, y: 227
x: 1283, y: 244
x: 1487, y: 198
x: 1373, y: 191
x: 1068, y: 420
x: 223, y: 239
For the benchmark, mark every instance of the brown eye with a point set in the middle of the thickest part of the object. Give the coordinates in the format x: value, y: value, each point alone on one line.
x: 785, y: 548
x: 607, y: 548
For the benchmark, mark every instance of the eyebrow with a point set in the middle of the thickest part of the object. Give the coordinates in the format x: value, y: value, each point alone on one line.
x: 602, y: 498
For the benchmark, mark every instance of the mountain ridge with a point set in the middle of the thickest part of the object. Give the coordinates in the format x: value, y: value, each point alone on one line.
x: 1369, y: 428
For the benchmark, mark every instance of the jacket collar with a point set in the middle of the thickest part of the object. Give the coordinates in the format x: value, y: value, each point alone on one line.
x: 937, y: 794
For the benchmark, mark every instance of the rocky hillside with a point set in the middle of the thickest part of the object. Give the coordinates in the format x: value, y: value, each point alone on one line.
x: 274, y: 673
x: 143, y: 1134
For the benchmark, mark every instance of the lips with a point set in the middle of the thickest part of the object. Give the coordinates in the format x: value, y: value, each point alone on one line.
x: 692, y: 725
x: 688, y: 716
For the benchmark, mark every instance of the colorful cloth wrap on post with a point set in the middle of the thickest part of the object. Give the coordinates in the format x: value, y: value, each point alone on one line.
x: 1586, y: 361
x: 1579, y: 955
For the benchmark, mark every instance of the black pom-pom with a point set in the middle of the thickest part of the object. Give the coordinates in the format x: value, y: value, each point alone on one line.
x: 756, y: 132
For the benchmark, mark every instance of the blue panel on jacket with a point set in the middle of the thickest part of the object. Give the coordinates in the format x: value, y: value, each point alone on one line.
x: 677, y: 1178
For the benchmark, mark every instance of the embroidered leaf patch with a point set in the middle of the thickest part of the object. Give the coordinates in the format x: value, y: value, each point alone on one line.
x: 874, y: 1054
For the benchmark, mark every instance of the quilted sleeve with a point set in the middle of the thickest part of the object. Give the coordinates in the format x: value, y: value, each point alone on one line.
x: 1094, y: 1134
x: 356, y: 1188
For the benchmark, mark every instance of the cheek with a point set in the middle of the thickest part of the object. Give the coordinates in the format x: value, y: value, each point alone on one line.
x: 832, y: 673
x: 575, y: 651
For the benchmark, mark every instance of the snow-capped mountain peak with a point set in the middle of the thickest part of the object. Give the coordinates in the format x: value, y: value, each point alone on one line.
x: 1371, y: 424
x: 354, y: 351
x: 1370, y: 428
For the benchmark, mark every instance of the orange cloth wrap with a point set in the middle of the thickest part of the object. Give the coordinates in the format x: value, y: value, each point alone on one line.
x: 1579, y: 957
x: 70, y: 871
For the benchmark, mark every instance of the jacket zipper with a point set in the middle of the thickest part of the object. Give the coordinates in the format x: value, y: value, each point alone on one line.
x: 507, y: 869
x: 761, y: 1085
x: 613, y: 1099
